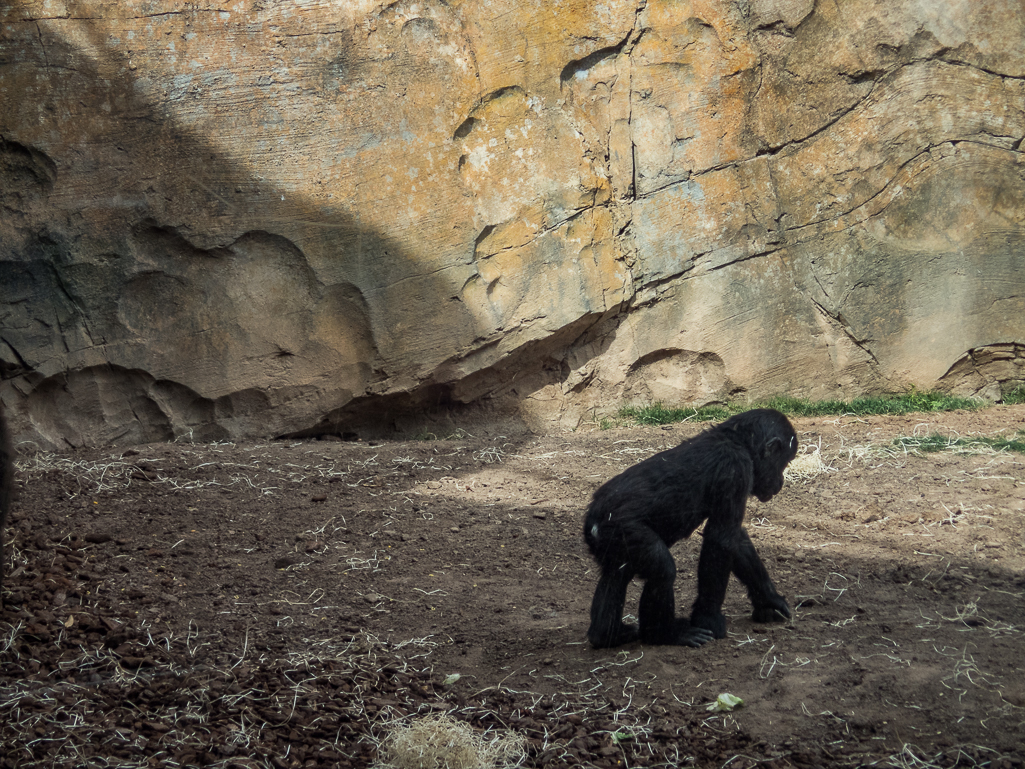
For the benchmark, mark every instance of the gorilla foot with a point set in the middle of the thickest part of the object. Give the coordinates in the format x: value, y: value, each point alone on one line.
x: 712, y: 623
x: 681, y: 633
x: 686, y: 634
x: 617, y: 636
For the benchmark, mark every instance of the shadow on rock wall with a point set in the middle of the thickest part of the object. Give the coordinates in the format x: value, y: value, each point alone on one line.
x: 175, y: 266
x: 141, y: 264
x: 225, y: 224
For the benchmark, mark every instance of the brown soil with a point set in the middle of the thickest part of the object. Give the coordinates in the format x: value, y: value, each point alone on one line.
x: 283, y: 604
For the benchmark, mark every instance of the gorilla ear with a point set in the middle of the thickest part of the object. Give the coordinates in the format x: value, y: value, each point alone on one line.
x: 773, y: 446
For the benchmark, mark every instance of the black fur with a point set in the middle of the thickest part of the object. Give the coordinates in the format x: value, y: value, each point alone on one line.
x: 637, y: 516
x: 6, y: 488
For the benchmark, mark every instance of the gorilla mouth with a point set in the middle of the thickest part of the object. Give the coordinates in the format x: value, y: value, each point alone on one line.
x: 764, y: 495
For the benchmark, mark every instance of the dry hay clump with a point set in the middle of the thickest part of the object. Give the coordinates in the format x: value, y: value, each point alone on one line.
x: 442, y: 742
x: 807, y: 464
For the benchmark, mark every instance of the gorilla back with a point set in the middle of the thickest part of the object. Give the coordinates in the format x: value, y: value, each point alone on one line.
x: 635, y: 518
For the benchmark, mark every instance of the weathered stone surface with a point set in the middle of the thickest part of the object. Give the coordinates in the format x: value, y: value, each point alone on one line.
x: 259, y: 219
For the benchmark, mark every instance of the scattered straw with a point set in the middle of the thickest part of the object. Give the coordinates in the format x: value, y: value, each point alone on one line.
x: 442, y: 742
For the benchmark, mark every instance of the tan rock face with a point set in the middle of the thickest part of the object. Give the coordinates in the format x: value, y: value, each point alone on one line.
x: 263, y: 219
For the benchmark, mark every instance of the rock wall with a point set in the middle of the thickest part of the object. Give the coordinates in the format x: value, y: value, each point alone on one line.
x: 263, y: 218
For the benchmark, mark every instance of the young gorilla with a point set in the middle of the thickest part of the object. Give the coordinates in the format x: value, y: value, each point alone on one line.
x: 637, y: 516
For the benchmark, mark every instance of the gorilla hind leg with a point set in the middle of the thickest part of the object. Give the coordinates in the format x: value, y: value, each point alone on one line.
x: 657, y: 612
x: 657, y: 615
x: 607, y: 627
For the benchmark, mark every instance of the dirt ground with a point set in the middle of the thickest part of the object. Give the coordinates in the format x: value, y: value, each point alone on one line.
x: 291, y: 604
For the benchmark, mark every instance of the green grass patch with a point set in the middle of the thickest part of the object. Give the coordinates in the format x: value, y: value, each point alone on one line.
x: 1015, y: 396
x: 910, y: 402
x: 933, y: 443
x: 659, y: 414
